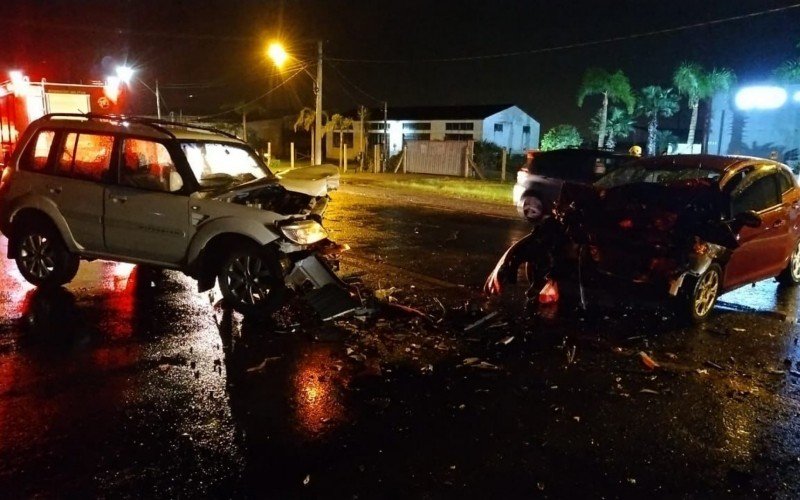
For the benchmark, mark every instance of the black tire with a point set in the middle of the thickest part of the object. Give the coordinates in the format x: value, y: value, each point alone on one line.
x: 42, y: 256
x: 532, y: 208
x: 700, y: 294
x: 251, y: 280
x: 791, y: 275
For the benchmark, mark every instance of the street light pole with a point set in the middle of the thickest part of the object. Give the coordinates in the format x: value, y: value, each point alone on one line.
x: 318, y: 111
x: 158, y: 101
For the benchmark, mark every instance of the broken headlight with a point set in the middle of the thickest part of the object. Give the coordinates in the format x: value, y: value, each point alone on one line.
x: 304, y: 232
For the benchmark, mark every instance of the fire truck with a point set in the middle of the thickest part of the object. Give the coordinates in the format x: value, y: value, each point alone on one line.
x: 22, y: 101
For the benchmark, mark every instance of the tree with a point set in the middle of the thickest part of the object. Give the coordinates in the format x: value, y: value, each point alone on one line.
x: 692, y: 81
x: 305, y: 120
x: 340, y: 123
x: 664, y: 138
x: 560, y: 137
x: 619, y: 124
x: 613, y: 87
x: 654, y: 102
x: 788, y: 71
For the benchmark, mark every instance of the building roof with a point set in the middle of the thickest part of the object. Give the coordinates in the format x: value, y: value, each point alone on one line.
x: 478, y: 112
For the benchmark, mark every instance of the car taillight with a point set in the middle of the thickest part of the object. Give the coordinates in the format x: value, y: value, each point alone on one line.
x: 626, y: 223
x: 5, y: 177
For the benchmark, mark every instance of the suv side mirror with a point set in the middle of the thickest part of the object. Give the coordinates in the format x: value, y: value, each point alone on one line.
x: 175, y: 181
x: 748, y: 219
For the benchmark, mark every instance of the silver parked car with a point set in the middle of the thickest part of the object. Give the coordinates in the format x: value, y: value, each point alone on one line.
x: 169, y: 195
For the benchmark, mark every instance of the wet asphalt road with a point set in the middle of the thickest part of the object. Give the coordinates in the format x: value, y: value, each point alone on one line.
x: 128, y: 383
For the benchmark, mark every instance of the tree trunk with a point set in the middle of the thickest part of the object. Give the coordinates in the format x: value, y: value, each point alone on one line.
x: 692, y: 125
x: 312, y: 144
x: 603, y: 120
x: 611, y: 142
x: 652, y: 128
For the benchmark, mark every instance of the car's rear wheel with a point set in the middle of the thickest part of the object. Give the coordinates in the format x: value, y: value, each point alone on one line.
x: 791, y: 275
x: 701, y: 294
x: 532, y: 208
x: 251, y: 280
x: 42, y: 257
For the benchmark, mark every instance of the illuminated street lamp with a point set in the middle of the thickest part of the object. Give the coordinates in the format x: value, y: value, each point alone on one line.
x: 279, y: 56
x: 125, y: 73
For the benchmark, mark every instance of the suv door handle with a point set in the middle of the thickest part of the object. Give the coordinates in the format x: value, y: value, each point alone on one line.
x: 119, y: 199
x: 54, y: 189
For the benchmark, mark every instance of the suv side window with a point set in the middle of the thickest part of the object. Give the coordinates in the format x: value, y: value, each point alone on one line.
x: 148, y: 165
x: 86, y: 157
x: 759, y: 195
x: 35, y: 158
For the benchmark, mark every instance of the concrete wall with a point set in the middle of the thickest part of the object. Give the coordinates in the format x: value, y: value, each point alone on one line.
x: 512, y: 121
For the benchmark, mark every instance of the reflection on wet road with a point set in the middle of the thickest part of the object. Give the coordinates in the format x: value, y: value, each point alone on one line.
x: 128, y: 383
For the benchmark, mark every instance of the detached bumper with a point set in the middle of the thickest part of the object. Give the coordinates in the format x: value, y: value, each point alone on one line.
x: 327, y: 294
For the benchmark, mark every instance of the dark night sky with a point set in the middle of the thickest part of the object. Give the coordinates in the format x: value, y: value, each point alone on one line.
x: 213, y: 50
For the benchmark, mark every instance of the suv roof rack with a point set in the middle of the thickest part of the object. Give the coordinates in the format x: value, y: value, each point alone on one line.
x: 154, y: 123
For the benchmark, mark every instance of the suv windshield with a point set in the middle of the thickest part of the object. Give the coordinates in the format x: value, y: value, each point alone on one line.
x: 218, y: 165
x: 636, y: 173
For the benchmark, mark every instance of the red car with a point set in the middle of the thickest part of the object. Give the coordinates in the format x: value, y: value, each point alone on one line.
x: 688, y: 226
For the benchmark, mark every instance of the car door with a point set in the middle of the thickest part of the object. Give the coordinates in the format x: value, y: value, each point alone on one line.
x: 146, y: 211
x: 761, y: 251
x: 82, y: 172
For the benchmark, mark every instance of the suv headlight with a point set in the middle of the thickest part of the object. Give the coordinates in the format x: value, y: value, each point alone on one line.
x: 304, y: 232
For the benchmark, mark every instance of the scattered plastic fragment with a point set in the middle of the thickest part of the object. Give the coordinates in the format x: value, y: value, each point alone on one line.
x: 480, y: 321
x: 648, y: 361
x: 307, y: 480
x: 506, y: 340
x: 549, y: 293
x: 649, y: 391
x: 714, y: 365
x: 263, y: 364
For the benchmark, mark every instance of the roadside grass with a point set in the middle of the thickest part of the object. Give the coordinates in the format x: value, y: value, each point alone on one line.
x: 452, y: 187
x: 490, y: 191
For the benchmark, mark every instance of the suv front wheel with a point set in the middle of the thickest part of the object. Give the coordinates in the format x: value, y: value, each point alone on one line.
x: 42, y: 257
x: 251, y: 280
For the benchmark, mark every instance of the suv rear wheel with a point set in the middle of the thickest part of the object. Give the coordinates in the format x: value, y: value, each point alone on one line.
x: 251, y: 280
x: 42, y: 257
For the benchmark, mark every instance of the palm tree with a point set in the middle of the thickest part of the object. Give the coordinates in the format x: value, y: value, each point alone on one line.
x: 305, y: 120
x: 696, y: 84
x: 664, y: 138
x: 788, y: 72
x: 614, y: 87
x: 340, y: 123
x: 654, y: 102
x: 619, y: 124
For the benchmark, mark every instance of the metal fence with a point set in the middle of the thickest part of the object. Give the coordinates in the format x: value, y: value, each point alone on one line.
x: 436, y: 157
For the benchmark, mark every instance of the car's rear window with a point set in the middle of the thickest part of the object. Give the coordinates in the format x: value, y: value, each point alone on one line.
x: 631, y: 174
x: 576, y: 167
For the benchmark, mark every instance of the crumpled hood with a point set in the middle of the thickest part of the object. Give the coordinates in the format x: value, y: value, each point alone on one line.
x: 649, y: 211
x: 315, y: 180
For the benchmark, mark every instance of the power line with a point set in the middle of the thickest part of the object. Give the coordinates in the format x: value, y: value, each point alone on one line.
x: 350, y: 82
x: 241, y: 106
x: 572, y: 45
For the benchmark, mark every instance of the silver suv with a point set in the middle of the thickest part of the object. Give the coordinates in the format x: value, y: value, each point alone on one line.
x: 170, y: 195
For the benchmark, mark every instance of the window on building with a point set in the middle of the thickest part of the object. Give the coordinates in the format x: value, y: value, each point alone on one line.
x: 147, y: 165
x: 417, y: 126
x: 348, y: 139
x: 378, y: 126
x: 526, y: 129
x: 459, y: 126
x: 457, y: 137
x: 498, y: 127
x: 416, y: 137
x: 36, y: 157
x: 86, y: 156
x: 373, y: 139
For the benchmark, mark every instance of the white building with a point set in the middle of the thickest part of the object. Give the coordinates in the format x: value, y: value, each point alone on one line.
x: 505, y: 125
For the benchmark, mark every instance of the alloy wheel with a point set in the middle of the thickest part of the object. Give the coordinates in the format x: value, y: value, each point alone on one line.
x: 706, y: 293
x: 37, y: 255
x: 795, y: 263
x: 249, y: 279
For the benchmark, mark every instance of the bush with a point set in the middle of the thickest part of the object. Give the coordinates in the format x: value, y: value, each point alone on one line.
x: 487, y: 155
x: 560, y: 137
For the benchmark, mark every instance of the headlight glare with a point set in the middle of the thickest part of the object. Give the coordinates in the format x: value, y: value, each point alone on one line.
x: 304, y: 232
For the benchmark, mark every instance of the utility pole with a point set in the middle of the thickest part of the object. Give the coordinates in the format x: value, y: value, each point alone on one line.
x: 385, y: 135
x: 362, y: 114
x: 318, y: 110
x: 158, y: 101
